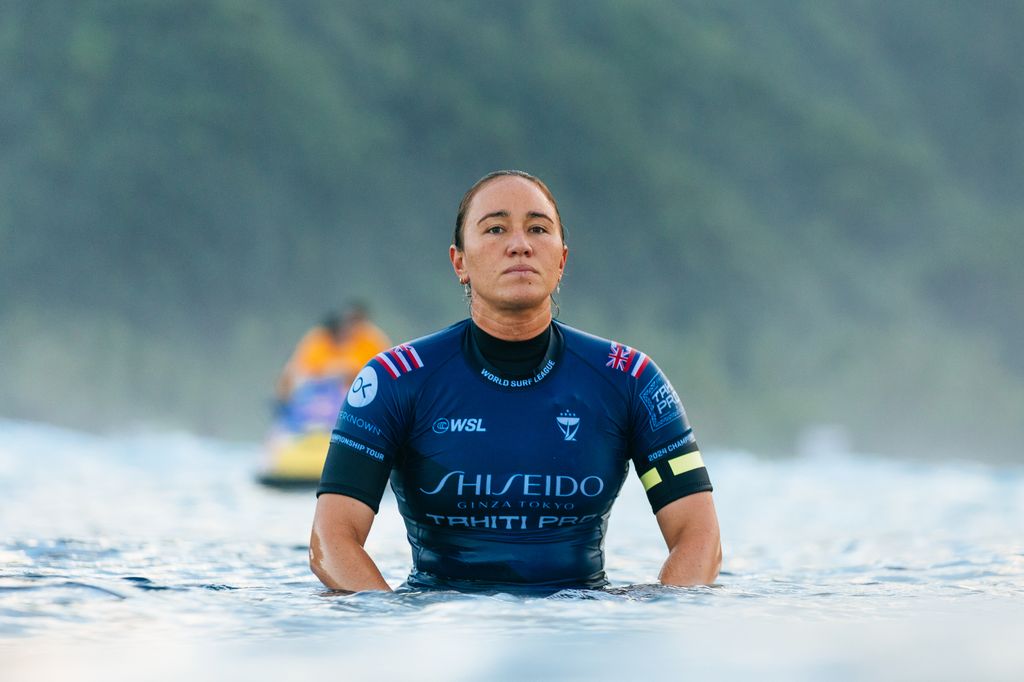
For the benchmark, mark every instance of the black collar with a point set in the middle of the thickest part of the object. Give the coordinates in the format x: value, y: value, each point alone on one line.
x: 492, y: 358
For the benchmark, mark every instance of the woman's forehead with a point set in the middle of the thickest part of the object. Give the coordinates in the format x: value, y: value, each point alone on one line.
x: 510, y: 193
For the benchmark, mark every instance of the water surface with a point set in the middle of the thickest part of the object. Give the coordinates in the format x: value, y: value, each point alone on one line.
x: 158, y: 557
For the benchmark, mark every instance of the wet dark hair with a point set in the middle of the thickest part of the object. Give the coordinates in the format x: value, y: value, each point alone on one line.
x: 467, y: 198
x: 356, y: 310
x: 332, y: 322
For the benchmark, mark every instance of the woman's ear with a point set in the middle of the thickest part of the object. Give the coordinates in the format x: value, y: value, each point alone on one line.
x: 458, y: 260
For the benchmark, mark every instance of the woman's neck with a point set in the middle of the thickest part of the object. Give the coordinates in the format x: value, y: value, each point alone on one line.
x: 511, y: 325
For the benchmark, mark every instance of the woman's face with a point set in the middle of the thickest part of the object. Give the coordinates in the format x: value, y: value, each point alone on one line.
x: 513, y: 255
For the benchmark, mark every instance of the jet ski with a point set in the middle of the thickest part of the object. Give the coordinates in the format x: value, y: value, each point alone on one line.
x: 296, y: 446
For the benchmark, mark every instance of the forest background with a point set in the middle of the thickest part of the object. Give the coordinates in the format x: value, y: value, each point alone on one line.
x: 809, y: 212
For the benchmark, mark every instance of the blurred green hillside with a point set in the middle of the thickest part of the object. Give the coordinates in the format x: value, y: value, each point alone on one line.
x: 809, y: 212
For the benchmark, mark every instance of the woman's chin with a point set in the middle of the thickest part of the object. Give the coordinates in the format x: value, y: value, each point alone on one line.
x: 519, y: 301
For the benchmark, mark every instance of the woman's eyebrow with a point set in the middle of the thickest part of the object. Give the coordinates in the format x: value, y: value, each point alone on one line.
x: 538, y: 214
x: 495, y: 214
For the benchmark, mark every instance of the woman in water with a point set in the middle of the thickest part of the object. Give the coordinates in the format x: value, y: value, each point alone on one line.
x: 507, y: 436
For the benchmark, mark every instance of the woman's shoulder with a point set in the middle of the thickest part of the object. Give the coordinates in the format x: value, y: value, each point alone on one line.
x: 604, y: 354
x: 425, y: 352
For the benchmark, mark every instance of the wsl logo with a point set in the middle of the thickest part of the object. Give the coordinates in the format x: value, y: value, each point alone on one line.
x: 569, y: 424
x: 443, y: 425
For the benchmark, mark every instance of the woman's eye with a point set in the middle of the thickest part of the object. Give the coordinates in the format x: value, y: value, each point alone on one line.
x: 538, y: 228
x: 495, y: 229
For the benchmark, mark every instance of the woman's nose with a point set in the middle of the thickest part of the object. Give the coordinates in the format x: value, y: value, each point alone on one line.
x: 518, y: 244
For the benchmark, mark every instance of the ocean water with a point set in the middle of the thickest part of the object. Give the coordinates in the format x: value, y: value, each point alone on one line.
x: 156, y: 557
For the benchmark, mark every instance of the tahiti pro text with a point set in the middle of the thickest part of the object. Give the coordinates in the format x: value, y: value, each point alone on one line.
x: 510, y: 522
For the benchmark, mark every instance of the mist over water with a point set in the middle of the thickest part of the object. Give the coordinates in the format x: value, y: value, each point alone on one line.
x: 806, y: 211
x: 157, y: 555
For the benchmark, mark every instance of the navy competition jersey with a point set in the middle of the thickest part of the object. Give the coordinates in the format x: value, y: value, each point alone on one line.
x: 509, y: 480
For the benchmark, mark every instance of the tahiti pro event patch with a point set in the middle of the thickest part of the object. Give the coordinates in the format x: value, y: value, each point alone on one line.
x: 662, y: 402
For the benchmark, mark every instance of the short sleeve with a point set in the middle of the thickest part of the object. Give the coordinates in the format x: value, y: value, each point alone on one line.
x: 366, y: 438
x: 663, y: 447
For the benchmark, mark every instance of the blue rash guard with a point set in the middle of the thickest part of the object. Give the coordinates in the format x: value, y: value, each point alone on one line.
x: 508, y: 481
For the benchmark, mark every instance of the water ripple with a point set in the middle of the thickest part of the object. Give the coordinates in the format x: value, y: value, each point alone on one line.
x: 184, y: 547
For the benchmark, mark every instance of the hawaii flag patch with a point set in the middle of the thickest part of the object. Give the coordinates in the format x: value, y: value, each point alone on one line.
x: 625, y: 359
x: 400, y: 360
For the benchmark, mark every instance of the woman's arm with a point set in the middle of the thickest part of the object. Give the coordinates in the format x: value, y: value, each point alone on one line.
x: 336, y: 553
x: 690, y: 527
